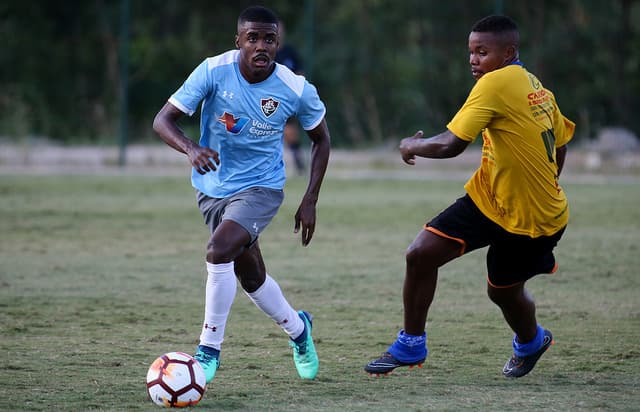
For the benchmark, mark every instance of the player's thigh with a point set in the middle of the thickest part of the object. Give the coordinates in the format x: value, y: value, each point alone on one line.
x: 228, y: 241
x: 432, y: 249
x: 254, y: 209
x: 517, y: 258
x: 458, y: 229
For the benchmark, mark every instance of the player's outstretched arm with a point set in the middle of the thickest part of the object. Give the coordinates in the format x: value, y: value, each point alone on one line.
x: 165, y: 124
x: 441, y: 146
x: 561, y: 154
x: 305, y: 217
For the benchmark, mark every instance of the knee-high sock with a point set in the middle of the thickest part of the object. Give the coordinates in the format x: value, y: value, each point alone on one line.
x: 270, y: 300
x: 219, y: 295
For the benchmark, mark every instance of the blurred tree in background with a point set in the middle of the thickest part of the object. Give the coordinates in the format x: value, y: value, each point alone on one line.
x: 385, y: 68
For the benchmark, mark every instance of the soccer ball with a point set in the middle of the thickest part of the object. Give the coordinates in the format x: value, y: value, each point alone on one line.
x: 175, y: 380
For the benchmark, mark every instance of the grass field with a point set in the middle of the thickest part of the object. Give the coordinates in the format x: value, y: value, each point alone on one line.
x: 99, y: 275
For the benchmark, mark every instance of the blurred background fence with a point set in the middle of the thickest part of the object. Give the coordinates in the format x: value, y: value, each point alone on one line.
x: 97, y: 71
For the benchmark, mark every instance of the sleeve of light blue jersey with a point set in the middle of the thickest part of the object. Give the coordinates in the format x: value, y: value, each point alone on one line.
x: 311, y: 110
x: 193, y: 90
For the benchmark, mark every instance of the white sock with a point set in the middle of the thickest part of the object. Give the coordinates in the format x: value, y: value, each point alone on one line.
x: 219, y: 295
x: 270, y: 300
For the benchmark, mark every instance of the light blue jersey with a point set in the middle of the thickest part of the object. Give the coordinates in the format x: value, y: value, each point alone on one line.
x: 245, y: 122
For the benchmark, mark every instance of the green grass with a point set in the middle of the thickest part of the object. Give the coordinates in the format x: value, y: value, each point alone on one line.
x: 99, y: 275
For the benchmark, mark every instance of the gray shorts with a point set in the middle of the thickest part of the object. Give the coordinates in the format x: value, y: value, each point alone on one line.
x: 252, y: 209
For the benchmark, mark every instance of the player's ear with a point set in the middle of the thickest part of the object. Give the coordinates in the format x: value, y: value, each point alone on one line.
x: 237, y: 44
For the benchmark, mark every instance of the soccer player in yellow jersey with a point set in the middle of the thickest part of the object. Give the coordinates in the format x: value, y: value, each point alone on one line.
x: 514, y: 204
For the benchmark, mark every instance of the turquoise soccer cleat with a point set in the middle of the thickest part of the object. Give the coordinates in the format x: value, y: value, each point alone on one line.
x: 209, y: 358
x: 304, y: 351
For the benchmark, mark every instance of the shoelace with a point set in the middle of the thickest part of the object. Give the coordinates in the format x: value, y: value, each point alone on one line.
x: 300, y: 348
x: 516, y: 361
x: 204, y: 357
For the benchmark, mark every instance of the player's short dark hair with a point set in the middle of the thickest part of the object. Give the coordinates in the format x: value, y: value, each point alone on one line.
x: 257, y: 14
x: 495, y: 24
x: 505, y: 29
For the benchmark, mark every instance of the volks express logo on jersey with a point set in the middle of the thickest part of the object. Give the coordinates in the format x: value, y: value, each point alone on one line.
x: 233, y: 124
x: 269, y: 106
x: 258, y: 129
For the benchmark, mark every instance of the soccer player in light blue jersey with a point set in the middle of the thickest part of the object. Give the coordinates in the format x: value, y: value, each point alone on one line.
x: 239, y: 174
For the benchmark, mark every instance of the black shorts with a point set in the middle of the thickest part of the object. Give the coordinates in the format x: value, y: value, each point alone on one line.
x: 511, y: 258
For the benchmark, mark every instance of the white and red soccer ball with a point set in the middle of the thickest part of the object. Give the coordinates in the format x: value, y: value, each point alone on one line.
x: 175, y: 380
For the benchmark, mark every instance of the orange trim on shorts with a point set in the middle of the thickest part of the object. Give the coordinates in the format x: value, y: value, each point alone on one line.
x: 444, y: 235
x: 502, y: 287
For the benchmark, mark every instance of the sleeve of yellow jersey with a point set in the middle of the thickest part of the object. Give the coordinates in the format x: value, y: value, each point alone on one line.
x: 477, y: 111
x: 563, y: 128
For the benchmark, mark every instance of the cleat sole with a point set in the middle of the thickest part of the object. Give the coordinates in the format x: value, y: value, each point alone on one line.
x: 518, y: 367
x: 387, y: 363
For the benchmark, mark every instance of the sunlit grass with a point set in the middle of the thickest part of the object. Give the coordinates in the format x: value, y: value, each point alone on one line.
x: 99, y: 275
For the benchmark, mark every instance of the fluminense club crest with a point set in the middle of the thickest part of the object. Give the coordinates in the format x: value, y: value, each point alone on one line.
x: 269, y: 106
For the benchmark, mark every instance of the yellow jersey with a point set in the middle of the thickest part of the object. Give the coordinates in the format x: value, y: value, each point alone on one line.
x: 516, y: 185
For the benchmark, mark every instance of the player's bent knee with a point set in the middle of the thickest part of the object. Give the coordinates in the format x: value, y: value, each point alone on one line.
x: 412, y: 254
x: 418, y: 254
x: 427, y: 255
x: 220, y: 254
x: 504, y: 295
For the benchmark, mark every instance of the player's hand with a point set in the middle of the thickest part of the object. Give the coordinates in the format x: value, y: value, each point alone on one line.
x: 305, y: 219
x: 203, y: 159
x: 406, y: 147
